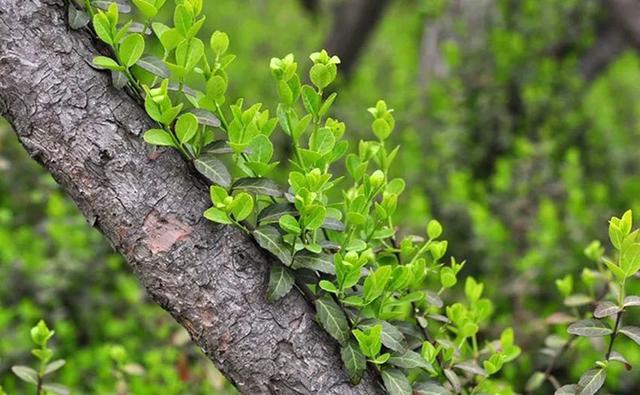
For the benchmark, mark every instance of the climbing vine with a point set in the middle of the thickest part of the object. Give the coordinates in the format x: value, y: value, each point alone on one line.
x: 379, y: 293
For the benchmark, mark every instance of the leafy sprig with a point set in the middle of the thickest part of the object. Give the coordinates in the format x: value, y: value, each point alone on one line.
x: 377, y: 293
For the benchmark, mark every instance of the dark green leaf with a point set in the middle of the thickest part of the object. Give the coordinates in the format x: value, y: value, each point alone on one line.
x: 430, y: 388
x: 218, y: 147
x: 591, y: 381
x: 25, y: 373
x: 396, y: 382
x: 280, y: 282
x: 333, y: 224
x: 471, y: 367
x: 606, y: 309
x: 589, y: 328
x: 632, y: 332
x: 632, y: 300
x: 77, y: 18
x: 119, y: 79
x: 616, y: 356
x: 409, y: 360
x: 56, y: 388
x: 332, y: 319
x: 54, y: 365
x: 453, y: 379
x: 154, y: 65
x: 123, y: 5
x: 259, y: 186
x: 319, y: 262
x: 354, y: 361
x: 212, y: 168
x: 272, y: 213
x: 569, y: 389
x: 269, y: 238
x: 206, y: 118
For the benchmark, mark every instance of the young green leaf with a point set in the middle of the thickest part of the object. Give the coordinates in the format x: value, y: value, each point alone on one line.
x: 216, y: 215
x: 241, y: 206
x: 105, y: 63
x: 280, y: 282
x: 158, y: 137
x: 186, y: 127
x: 131, y: 49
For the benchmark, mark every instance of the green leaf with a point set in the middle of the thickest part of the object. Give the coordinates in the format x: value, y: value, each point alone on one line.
x: 430, y: 388
x: 535, y: 381
x: 103, y: 27
x: 216, y: 215
x: 354, y: 361
x: 131, y: 49
x: 242, y: 206
x: 310, y: 99
x: 631, y: 300
x: 332, y: 319
x: 269, y: 238
x: 77, y: 18
x: 320, y: 75
x: 158, y: 137
x: 219, y: 42
x: 632, y: 332
x: 273, y: 212
x: 105, y: 63
x: 56, y: 388
x: 186, y: 127
x: 328, y: 286
x: 258, y: 186
x: 206, y: 117
x: 606, y: 309
x: 189, y: 53
x: 322, y: 141
x: 376, y: 283
x: 314, y: 217
x: 25, y: 373
x: 261, y: 149
x: 381, y: 129
x: 280, y: 282
x: 630, y: 262
x: 183, y: 19
x: 615, y: 269
x: 591, y: 381
x: 118, y: 79
x: 212, y: 168
x: 396, y: 382
x: 54, y: 365
x: 147, y: 8
x: 409, y: 360
x: 569, y: 389
x: 319, y: 262
x: 391, y: 336
x: 289, y: 224
x: 589, y: 328
x: 154, y: 65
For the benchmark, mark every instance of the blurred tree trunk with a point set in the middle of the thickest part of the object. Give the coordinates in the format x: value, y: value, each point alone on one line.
x: 149, y: 205
x: 353, y: 22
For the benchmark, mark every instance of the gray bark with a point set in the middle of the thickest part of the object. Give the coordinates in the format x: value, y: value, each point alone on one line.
x: 149, y: 205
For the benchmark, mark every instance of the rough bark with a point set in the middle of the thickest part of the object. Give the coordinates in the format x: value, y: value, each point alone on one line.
x: 149, y: 205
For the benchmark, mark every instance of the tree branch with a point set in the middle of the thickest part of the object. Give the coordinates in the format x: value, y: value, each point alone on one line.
x: 211, y: 279
x: 353, y: 23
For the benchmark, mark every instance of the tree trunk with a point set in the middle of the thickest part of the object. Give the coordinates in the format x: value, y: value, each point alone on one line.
x: 210, y: 278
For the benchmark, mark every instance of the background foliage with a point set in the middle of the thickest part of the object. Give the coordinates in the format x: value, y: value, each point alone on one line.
x: 520, y: 158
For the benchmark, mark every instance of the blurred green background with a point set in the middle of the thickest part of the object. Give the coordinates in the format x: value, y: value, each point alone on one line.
x: 508, y: 137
